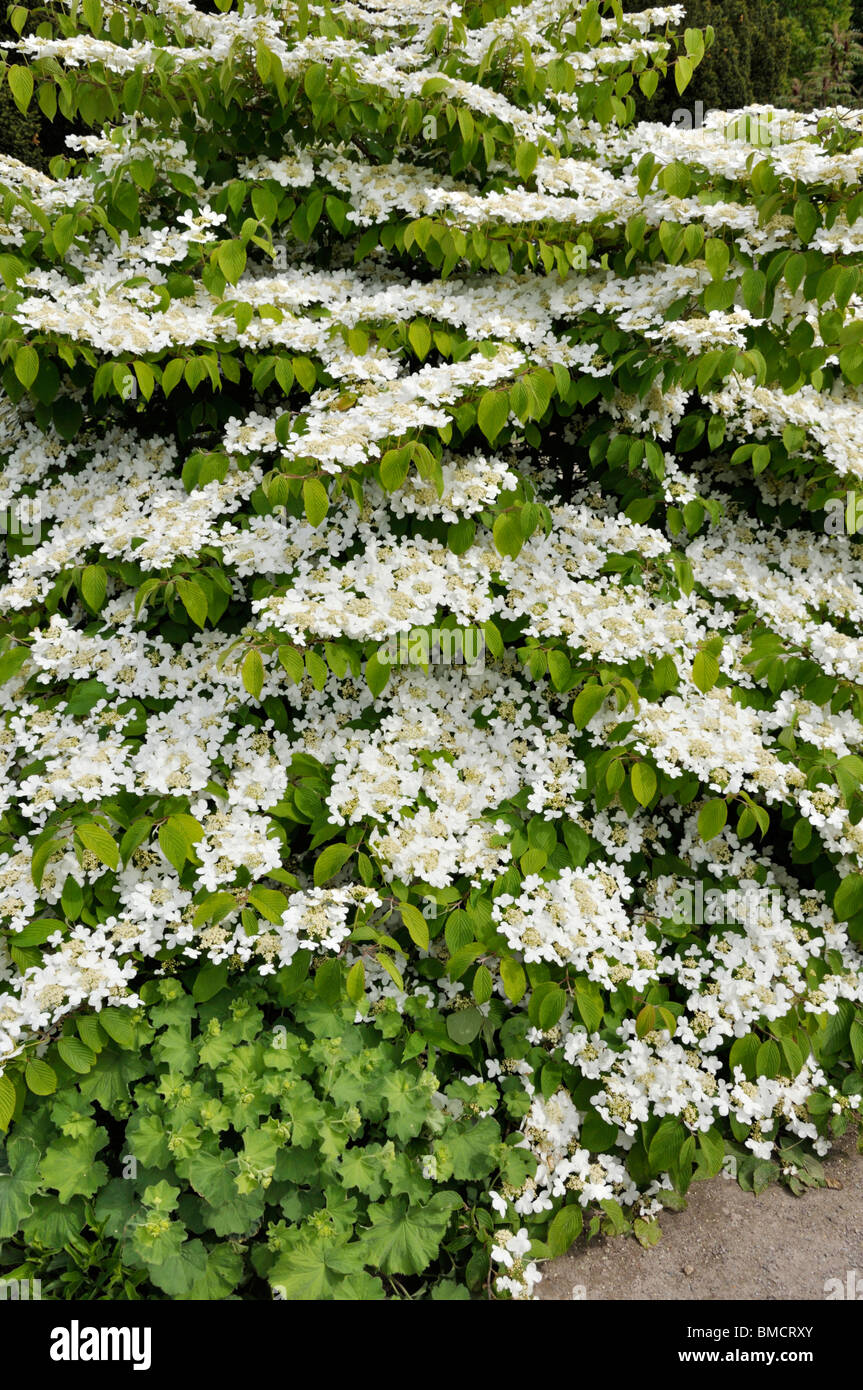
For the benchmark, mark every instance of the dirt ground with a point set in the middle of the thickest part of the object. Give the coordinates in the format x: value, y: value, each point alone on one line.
x: 731, y: 1244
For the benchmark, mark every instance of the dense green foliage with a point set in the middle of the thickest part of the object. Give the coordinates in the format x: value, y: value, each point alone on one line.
x: 265, y: 1110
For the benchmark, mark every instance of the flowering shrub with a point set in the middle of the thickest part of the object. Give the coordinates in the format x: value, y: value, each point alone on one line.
x: 367, y: 321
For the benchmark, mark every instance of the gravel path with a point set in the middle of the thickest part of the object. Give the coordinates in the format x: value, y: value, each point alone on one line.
x: 731, y: 1244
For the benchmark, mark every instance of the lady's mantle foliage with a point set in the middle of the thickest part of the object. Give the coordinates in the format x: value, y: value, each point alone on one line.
x: 357, y: 321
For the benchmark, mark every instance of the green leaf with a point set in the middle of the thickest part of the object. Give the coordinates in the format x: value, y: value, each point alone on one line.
x: 209, y: 980
x: 11, y: 663
x: 416, y: 924
x: 806, y: 219
x: 507, y: 534
x: 493, y: 413
x: 377, y: 674
x: 231, y: 256
x: 316, y: 1269
x: 76, y: 1054
x: 407, y: 1105
x: 40, y: 1078
x: 223, y: 1273
x: 26, y: 358
x: 513, y: 978
x: 391, y: 968
x: 355, y: 984
x: 469, y: 1150
x: 597, y: 1134
x: 643, y: 780
x: 705, y: 671
x: 177, y: 838
x: 18, y: 1185
x: 330, y: 861
x: 464, y: 1025
x: 551, y: 1008
x: 420, y: 338
x: 849, y: 898
x: 100, y: 842
x: 564, y: 1229
x: 253, y: 673
x: 117, y: 1023
x: 683, y: 69
x: 588, y: 1001
x: 405, y: 1238
x: 193, y: 599
x: 768, y: 1061
x: 270, y: 902
x: 315, y: 500
x: 179, y: 1271
x: 483, y: 984
x: 712, y: 818
x: 146, y: 378
x: 20, y: 81
x: 665, y: 1145
x: 587, y: 703
x: 94, y: 586
x: 292, y: 662
x: 712, y: 1145
x: 526, y: 157
x: 8, y: 1101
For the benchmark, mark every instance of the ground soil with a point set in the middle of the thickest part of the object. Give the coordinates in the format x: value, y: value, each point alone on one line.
x: 730, y: 1244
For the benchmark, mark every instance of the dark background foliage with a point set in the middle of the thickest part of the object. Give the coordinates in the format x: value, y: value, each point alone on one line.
x: 19, y: 135
x: 747, y: 63
x: 29, y: 137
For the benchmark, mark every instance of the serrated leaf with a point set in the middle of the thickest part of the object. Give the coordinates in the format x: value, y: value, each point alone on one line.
x: 41, y: 1079
x: 292, y: 662
x: 391, y: 968
x: 493, y: 413
x: 377, y: 674
x: 100, y: 842
x: 94, y: 586
x: 643, y: 780
x: 26, y: 358
x: 8, y: 1101
x: 587, y: 703
x: 253, y: 673
x: 848, y: 901
x: 705, y: 671
x: 193, y: 599
x: 355, y: 983
x: 564, y: 1229
x: 513, y: 978
x: 330, y: 861
x: 416, y: 924
x: 712, y: 818
x: 665, y: 1145
x: 316, y: 501
x: 76, y: 1054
